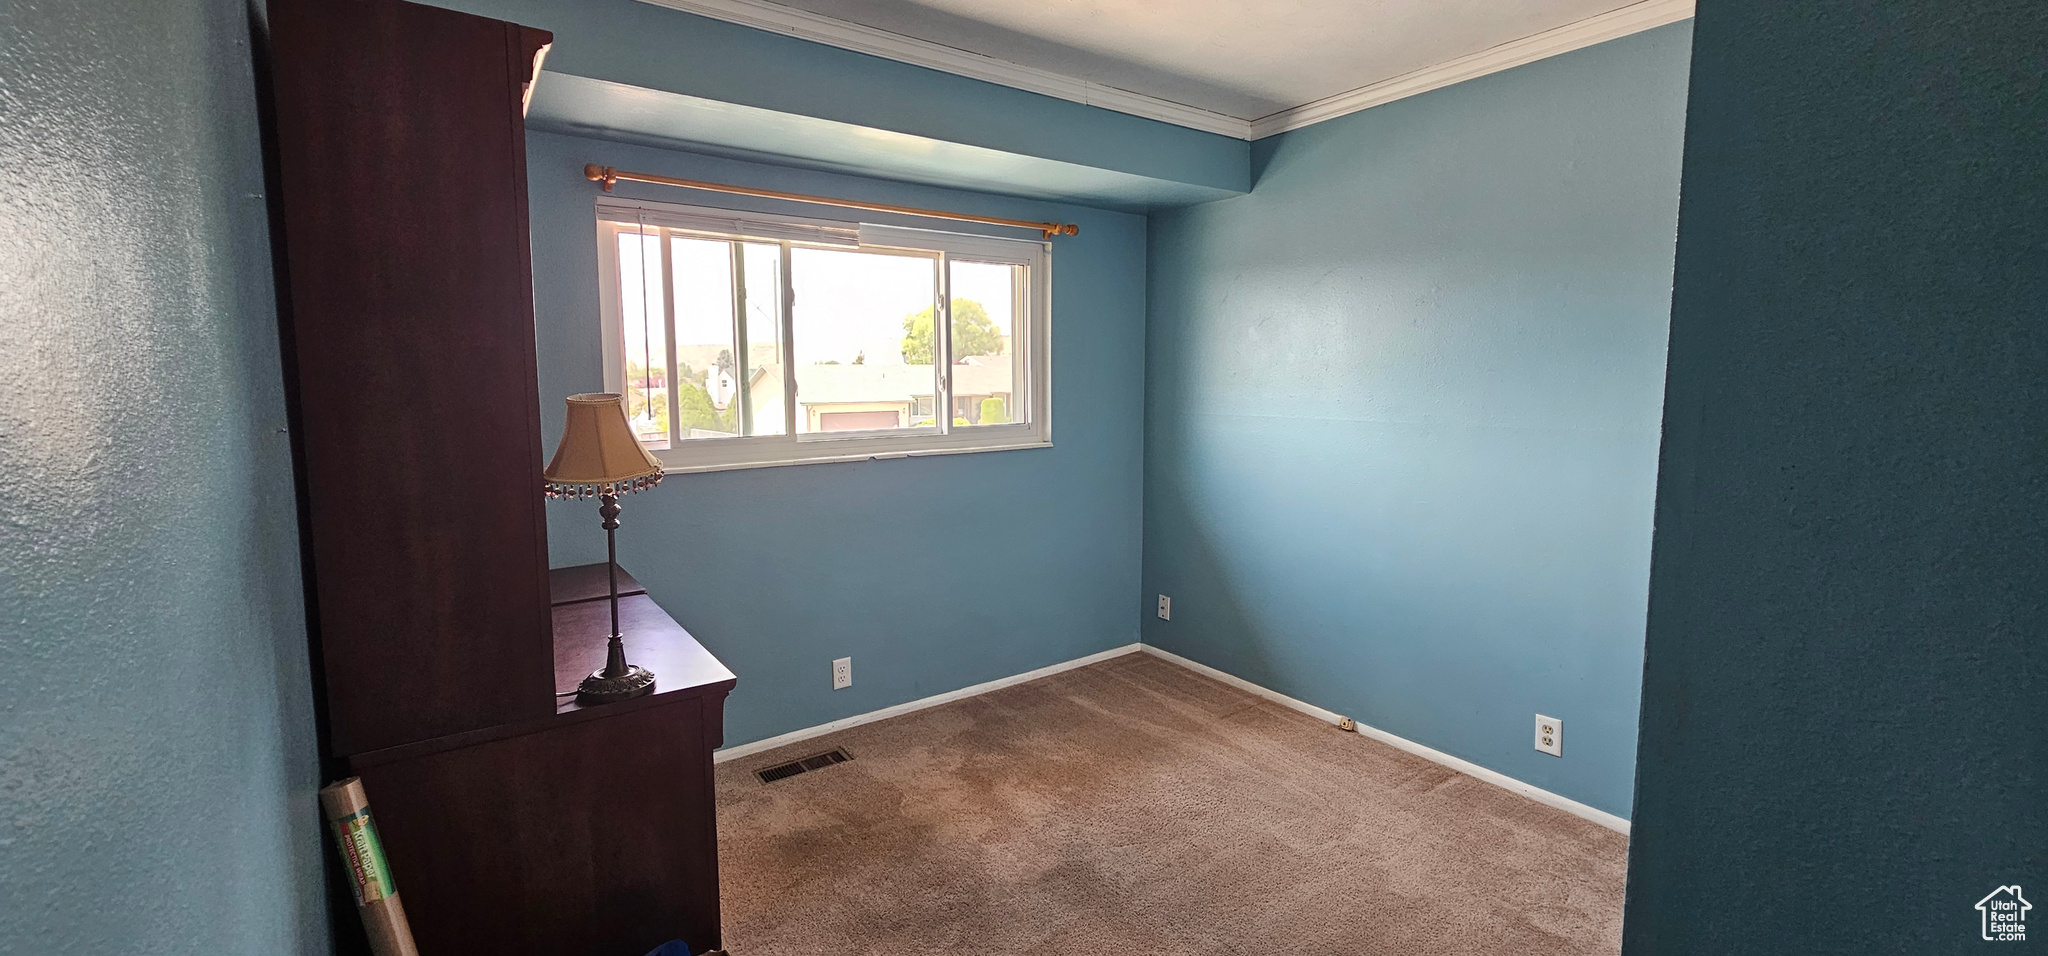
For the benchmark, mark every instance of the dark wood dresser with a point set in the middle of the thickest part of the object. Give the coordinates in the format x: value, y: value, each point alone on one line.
x: 515, y: 822
x: 589, y: 831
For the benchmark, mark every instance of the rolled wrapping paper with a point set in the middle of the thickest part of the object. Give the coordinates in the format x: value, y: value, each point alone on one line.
x: 348, y: 812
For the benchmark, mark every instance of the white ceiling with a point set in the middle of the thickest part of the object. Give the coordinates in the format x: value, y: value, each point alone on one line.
x: 1240, y: 59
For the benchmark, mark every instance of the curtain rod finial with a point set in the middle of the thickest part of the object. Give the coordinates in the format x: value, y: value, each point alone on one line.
x: 601, y: 174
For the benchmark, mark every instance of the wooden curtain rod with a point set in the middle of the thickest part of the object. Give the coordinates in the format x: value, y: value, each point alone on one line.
x: 608, y: 175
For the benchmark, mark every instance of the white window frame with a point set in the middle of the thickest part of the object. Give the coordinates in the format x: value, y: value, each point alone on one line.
x: 614, y: 215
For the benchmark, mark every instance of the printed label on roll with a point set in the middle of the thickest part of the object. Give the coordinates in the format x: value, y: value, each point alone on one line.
x: 357, y: 835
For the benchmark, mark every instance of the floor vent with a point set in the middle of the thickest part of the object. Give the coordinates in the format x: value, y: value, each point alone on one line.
x: 794, y: 767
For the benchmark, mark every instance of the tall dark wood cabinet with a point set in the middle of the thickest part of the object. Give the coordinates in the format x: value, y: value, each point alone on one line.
x: 514, y: 823
x: 401, y: 148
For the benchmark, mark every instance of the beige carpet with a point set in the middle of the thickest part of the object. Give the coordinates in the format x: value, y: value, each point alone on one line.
x: 1134, y: 807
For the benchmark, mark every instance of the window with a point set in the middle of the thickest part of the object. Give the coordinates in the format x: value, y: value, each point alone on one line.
x: 748, y: 339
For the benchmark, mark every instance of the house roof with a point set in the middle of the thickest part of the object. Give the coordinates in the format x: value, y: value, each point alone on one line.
x: 866, y: 384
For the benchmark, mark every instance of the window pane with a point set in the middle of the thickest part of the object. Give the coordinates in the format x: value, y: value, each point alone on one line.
x: 763, y: 275
x: 861, y: 361
x: 987, y: 353
x: 642, y: 321
x: 707, y: 366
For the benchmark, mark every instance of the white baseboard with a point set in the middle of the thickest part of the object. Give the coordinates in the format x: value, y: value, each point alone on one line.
x: 1466, y: 767
x: 741, y: 750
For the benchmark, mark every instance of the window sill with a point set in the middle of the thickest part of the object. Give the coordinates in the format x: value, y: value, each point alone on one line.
x: 679, y: 464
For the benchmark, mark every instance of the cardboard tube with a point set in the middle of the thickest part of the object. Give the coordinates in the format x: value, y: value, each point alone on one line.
x: 348, y: 813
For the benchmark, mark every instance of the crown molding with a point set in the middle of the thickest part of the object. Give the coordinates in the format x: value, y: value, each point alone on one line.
x: 804, y: 25
x: 1614, y: 24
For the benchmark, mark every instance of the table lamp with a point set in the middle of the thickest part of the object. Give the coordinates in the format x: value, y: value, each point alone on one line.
x: 600, y: 457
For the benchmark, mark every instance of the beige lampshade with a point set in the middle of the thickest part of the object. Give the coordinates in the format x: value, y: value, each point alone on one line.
x: 599, y: 454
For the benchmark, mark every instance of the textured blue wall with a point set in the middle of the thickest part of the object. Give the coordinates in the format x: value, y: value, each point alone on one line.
x: 933, y: 573
x: 1843, y: 699
x: 1402, y: 411
x: 157, y: 766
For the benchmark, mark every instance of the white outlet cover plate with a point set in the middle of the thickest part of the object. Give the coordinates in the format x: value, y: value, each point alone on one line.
x: 1165, y: 608
x: 842, y: 673
x: 1550, y: 735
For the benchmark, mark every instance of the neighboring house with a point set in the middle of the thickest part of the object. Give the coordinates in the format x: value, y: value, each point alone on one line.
x: 716, y: 379
x: 719, y: 383
x: 649, y: 380
x: 836, y: 398
x: 2003, y: 914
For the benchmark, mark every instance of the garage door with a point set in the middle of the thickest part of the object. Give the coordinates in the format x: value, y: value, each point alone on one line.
x: 858, y: 421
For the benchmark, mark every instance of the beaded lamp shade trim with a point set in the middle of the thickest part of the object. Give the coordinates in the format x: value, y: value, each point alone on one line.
x: 581, y: 490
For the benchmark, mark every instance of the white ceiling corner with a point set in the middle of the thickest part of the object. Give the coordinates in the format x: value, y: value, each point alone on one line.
x: 1240, y: 70
x: 1614, y: 24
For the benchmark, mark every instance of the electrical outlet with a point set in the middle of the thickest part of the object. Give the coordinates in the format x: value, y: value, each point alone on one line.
x: 1550, y: 735
x: 1165, y: 608
x: 842, y: 673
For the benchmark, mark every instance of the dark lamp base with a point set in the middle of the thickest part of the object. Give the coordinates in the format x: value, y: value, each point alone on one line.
x: 598, y: 689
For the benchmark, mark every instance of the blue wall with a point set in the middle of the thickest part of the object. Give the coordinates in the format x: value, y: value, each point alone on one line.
x: 932, y: 573
x: 658, y: 48
x: 157, y: 766
x: 1403, y: 404
x: 1848, y: 628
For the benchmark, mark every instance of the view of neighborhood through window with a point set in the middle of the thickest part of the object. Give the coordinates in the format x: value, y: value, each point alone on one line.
x: 985, y: 357
x: 707, y: 362
x: 855, y: 365
x: 704, y: 351
x: 763, y: 388
x: 643, y: 321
